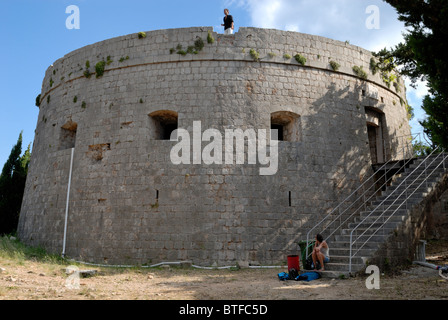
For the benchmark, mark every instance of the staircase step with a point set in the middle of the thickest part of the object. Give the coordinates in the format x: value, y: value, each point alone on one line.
x: 345, y: 252
x: 378, y: 211
x: 342, y: 267
x: 373, y: 223
x: 379, y: 237
x: 393, y: 201
x: 346, y: 245
x: 408, y: 187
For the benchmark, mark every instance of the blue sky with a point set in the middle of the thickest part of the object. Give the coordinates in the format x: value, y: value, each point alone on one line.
x: 34, y: 35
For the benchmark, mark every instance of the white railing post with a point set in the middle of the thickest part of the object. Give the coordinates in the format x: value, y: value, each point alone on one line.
x: 67, y: 201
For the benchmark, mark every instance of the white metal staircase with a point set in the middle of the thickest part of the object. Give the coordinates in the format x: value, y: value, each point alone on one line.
x: 360, y: 224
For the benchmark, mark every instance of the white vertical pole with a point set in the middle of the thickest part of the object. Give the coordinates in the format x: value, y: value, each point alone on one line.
x: 66, y: 204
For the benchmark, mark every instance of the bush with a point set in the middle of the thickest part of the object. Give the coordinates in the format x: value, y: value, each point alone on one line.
x: 210, y: 38
x: 254, y: 54
x: 199, y: 44
x: 359, y: 71
x: 141, y: 35
x: 300, y: 59
x: 99, y: 68
x: 124, y: 58
x: 334, y: 65
x: 38, y: 100
x: 87, y: 74
x: 373, y: 66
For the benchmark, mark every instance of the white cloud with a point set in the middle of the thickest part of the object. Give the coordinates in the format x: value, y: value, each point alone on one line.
x: 340, y: 20
x: 420, y: 90
x: 292, y: 27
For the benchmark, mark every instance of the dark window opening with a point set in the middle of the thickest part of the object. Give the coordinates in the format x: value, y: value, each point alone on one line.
x: 288, y: 126
x: 67, y: 138
x: 290, y: 202
x: 167, y: 129
x: 164, y: 122
x: 279, y: 129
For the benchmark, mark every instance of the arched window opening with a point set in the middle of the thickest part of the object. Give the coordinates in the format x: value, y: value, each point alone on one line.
x: 67, y: 137
x: 164, y: 123
x: 287, y: 125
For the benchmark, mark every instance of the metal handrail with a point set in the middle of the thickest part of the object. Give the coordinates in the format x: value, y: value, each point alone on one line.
x: 337, y: 207
x: 393, y: 203
x: 371, y: 196
x: 354, y: 192
x: 405, y: 145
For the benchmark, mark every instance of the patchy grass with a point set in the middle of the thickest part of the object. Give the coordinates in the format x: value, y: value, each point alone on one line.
x: 14, y: 249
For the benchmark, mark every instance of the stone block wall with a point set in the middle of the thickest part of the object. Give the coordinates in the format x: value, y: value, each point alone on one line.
x: 130, y: 204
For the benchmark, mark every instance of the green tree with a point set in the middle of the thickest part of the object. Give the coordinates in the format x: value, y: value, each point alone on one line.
x: 422, y: 56
x: 12, y: 185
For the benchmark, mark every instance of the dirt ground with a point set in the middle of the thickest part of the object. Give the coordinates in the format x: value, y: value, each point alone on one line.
x: 31, y: 280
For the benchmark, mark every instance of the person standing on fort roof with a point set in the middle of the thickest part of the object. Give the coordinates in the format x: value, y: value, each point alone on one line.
x: 228, y: 22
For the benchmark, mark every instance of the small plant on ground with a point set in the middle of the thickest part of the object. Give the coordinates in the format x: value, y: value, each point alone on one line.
x: 271, y: 54
x: 287, y: 56
x: 300, y: 59
x: 109, y: 60
x: 141, y: 35
x: 75, y: 99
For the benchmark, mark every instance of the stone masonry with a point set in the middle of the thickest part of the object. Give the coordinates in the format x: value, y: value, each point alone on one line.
x: 129, y: 204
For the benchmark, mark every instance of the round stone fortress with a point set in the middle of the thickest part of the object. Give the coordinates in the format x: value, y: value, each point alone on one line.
x: 129, y: 200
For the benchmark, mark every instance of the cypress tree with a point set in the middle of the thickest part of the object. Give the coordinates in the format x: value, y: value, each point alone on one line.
x: 12, y: 185
x: 422, y: 55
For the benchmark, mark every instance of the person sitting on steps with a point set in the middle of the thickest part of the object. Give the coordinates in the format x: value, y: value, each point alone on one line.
x: 320, y: 253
